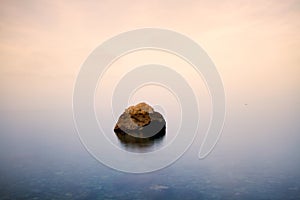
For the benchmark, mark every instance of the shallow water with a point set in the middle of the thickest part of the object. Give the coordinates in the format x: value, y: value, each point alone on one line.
x: 42, y: 158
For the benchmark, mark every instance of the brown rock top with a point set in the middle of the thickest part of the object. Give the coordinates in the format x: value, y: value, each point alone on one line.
x: 140, y: 121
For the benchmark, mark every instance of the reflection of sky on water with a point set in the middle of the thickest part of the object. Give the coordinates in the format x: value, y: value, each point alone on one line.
x: 255, y: 46
x: 40, y: 160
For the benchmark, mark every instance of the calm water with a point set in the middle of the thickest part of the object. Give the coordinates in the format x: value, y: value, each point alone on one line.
x: 42, y: 158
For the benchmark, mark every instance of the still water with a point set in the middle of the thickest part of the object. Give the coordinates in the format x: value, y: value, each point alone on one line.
x: 43, y: 158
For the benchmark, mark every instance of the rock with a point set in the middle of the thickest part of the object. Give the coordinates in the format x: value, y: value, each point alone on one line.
x: 140, y: 122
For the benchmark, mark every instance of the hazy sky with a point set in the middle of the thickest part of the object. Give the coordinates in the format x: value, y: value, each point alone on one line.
x: 254, y: 44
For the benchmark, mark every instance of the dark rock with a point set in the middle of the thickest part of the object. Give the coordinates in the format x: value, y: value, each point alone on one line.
x: 140, y: 123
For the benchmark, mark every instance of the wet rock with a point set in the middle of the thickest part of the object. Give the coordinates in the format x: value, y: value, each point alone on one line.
x: 140, y: 122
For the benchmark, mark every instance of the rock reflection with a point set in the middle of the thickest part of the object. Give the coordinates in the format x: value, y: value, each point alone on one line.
x: 137, y: 144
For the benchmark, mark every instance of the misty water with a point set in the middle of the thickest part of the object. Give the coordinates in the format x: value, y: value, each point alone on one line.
x: 255, y: 47
x: 43, y: 158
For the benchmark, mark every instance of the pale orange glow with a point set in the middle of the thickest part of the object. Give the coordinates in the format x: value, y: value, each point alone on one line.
x: 254, y: 44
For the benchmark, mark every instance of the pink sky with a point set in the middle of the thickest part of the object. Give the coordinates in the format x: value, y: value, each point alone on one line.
x: 255, y: 45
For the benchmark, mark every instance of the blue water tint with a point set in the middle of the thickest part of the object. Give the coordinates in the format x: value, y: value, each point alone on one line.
x: 42, y: 158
